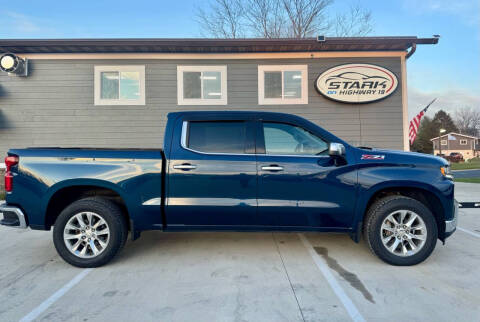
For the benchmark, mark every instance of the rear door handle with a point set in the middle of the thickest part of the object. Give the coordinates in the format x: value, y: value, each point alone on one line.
x: 186, y: 166
x: 272, y: 168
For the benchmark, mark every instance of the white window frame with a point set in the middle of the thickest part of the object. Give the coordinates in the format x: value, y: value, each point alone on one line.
x: 282, y: 68
x: 223, y: 100
x: 443, y: 142
x: 119, y: 68
x: 463, y: 142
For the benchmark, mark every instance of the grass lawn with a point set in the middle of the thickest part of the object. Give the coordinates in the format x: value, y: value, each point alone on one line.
x: 2, y: 195
x: 467, y: 180
x: 474, y: 164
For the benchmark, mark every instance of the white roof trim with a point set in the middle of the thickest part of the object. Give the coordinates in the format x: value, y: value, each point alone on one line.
x: 453, y: 133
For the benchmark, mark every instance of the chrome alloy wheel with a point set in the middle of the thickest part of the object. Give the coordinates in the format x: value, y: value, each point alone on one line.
x: 86, y: 235
x: 403, y: 233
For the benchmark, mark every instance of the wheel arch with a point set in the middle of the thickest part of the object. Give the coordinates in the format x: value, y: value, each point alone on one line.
x: 60, y: 195
x: 424, y: 193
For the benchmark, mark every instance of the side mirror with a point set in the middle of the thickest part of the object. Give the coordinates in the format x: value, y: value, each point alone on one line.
x: 336, y: 149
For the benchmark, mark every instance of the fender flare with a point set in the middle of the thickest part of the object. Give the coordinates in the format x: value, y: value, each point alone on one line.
x: 366, y: 195
x: 86, y: 182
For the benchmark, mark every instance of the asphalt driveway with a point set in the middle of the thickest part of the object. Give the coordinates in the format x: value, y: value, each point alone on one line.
x: 475, y: 173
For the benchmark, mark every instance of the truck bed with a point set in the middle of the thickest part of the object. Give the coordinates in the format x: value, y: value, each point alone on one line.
x: 47, y: 173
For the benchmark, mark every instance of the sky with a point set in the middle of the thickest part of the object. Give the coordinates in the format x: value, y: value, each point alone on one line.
x: 448, y: 71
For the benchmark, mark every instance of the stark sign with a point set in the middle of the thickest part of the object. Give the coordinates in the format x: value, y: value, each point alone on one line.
x: 356, y: 83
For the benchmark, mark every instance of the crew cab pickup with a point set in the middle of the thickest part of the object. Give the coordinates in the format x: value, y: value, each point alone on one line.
x: 235, y: 171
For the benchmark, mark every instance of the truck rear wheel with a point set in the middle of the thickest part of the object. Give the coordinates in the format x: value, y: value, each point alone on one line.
x: 90, y: 232
x: 400, y: 230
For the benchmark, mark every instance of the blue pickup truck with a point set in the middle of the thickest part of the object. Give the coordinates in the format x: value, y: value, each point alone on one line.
x: 235, y: 171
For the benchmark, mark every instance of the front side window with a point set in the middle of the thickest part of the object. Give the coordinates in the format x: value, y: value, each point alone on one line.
x: 217, y: 136
x: 463, y: 142
x: 202, y: 85
x: 119, y: 85
x: 443, y: 142
x: 282, y: 84
x: 286, y: 139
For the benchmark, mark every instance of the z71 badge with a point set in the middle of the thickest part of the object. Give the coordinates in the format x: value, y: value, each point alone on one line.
x: 373, y: 157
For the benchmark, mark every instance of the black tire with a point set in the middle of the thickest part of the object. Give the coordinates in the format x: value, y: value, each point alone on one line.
x: 107, y: 210
x: 377, y: 214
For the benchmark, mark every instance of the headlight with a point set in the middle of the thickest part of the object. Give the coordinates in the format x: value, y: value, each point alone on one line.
x: 446, y: 172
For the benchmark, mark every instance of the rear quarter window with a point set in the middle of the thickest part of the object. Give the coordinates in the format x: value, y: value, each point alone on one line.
x: 217, y: 136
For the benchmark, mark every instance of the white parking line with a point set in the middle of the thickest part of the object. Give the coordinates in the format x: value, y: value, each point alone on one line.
x: 337, y: 289
x: 58, y: 294
x: 468, y: 232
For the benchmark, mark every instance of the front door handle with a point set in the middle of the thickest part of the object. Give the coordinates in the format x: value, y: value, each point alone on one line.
x: 185, y: 166
x: 272, y: 168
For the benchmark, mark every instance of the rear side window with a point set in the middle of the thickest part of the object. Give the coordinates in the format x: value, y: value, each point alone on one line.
x: 217, y: 136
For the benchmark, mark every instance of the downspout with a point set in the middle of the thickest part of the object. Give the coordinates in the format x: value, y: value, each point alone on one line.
x: 412, y: 50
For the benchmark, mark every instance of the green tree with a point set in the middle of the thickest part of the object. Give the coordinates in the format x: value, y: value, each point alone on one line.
x: 430, y: 128
x: 425, y: 132
x: 442, y: 120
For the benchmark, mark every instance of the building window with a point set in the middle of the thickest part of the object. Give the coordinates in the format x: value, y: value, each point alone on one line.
x: 120, y: 85
x: 443, y: 142
x: 463, y: 142
x: 202, y: 85
x: 282, y: 84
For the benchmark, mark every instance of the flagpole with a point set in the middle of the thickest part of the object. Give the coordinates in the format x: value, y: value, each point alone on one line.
x: 440, y: 144
x: 440, y: 141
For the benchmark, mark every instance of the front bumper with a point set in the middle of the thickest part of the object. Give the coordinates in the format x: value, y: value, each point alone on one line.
x: 451, y: 225
x: 12, y: 217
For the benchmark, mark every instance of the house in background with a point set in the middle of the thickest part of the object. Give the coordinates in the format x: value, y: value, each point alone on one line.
x: 466, y: 145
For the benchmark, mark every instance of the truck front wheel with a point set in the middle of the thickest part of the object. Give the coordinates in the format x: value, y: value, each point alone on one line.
x: 90, y: 232
x: 400, y: 230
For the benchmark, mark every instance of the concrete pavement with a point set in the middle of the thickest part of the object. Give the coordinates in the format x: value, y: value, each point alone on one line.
x: 244, y: 277
x: 467, y: 192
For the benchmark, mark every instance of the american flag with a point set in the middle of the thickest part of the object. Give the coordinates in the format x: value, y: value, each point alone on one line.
x: 415, y: 123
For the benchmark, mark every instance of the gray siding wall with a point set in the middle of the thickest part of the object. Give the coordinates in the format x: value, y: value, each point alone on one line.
x: 53, y: 106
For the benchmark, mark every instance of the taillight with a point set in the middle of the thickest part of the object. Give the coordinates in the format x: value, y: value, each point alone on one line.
x: 10, y: 161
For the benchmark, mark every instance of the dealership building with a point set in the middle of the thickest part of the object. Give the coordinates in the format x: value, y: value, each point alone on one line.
x: 118, y: 92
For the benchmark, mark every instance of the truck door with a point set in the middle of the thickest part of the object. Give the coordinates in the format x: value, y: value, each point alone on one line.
x: 212, y: 175
x: 299, y: 184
